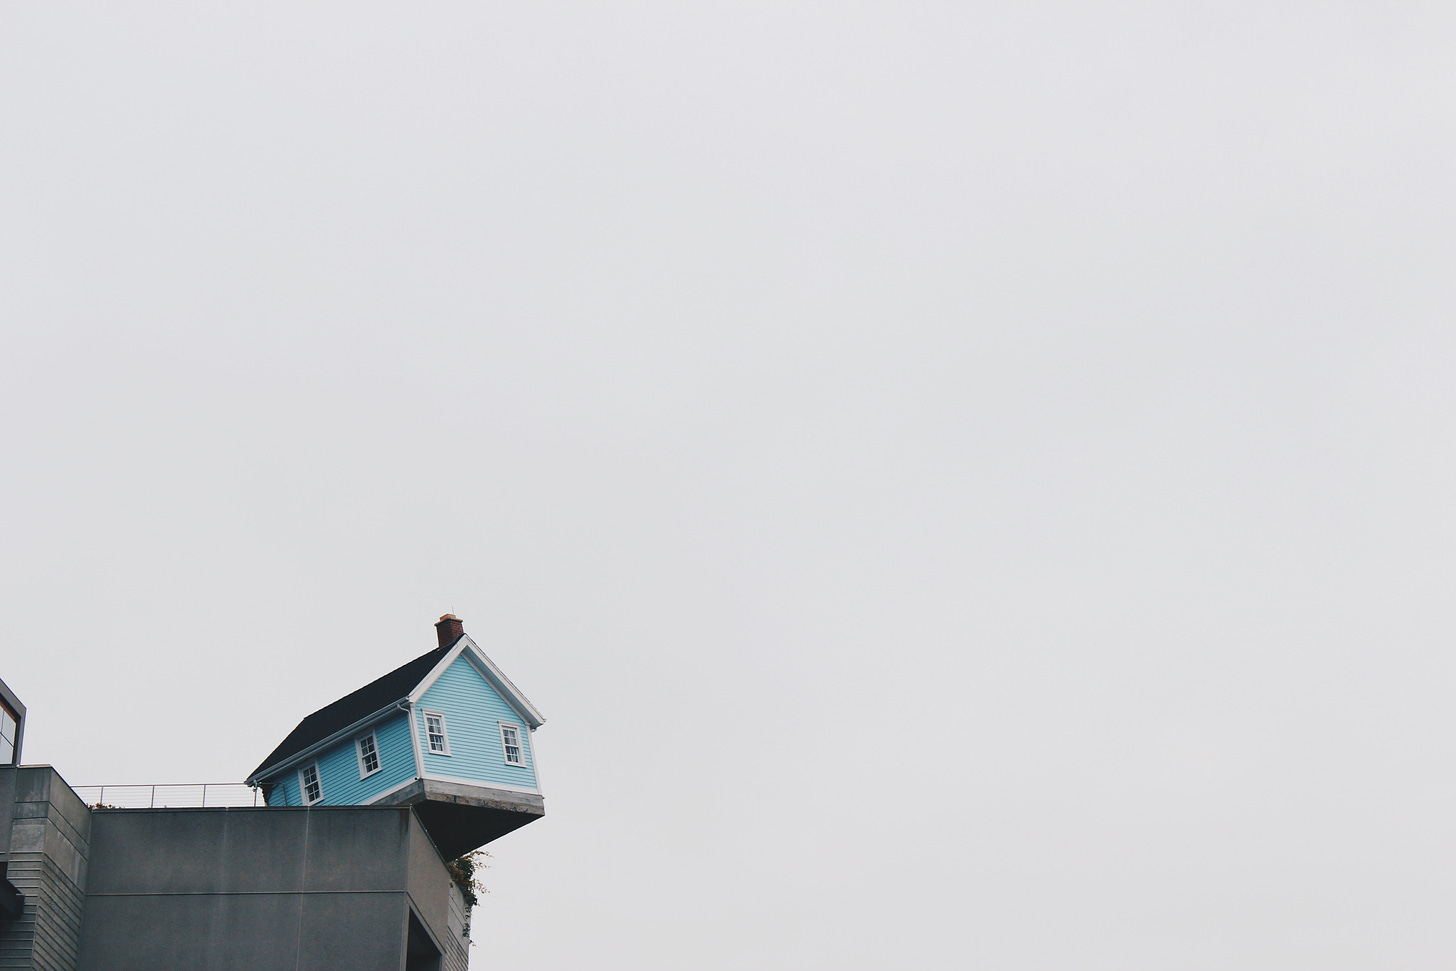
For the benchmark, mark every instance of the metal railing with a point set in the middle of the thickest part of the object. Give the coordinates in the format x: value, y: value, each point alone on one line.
x: 197, y: 795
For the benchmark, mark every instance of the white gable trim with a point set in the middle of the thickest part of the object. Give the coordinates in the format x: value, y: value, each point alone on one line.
x: 492, y: 674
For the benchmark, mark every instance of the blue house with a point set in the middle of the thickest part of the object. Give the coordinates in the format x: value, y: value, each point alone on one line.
x: 447, y: 733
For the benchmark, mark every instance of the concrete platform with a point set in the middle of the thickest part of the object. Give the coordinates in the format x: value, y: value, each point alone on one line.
x: 461, y: 818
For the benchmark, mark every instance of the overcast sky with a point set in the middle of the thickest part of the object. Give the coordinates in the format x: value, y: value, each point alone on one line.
x: 969, y: 485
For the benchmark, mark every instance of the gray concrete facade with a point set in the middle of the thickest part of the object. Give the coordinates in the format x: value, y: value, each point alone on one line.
x: 45, y: 832
x: 268, y: 888
x: 265, y: 889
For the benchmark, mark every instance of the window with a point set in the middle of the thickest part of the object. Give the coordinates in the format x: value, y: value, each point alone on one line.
x: 421, y: 954
x: 435, y: 731
x: 308, y: 784
x: 511, y: 742
x: 8, y: 727
x: 368, y: 755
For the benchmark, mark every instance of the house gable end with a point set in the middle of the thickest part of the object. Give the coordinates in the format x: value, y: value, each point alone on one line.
x: 501, y: 685
x: 470, y: 712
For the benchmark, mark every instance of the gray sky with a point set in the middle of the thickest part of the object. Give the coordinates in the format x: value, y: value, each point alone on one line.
x: 969, y: 485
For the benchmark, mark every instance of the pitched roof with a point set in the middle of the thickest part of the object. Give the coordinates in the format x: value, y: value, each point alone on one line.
x: 356, y: 705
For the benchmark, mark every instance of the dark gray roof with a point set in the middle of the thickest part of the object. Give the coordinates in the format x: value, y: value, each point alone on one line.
x: 378, y: 694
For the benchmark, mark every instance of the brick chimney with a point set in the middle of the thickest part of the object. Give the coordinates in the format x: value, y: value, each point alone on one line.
x: 449, y: 629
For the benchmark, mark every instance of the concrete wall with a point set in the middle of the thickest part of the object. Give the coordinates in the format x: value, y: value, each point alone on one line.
x: 45, y: 847
x: 265, y: 889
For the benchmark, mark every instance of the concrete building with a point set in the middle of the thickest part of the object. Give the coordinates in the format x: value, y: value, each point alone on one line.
x: 355, y: 877
x: 226, y: 889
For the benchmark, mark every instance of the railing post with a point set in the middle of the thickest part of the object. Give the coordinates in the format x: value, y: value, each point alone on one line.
x: 204, y: 795
x: 101, y: 798
x: 154, y: 798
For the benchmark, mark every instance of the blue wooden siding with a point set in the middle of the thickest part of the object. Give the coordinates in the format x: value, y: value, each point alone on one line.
x: 473, y: 713
x: 339, y: 768
x: 285, y: 793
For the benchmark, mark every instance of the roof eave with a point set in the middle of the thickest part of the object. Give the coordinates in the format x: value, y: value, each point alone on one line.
x: 304, y: 754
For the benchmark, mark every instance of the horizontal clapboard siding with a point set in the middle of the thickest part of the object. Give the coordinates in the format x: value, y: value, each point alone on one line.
x: 285, y: 789
x: 473, y: 713
x: 339, y: 768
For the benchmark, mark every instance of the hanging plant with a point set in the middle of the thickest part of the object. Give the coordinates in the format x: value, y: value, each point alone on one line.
x: 465, y: 872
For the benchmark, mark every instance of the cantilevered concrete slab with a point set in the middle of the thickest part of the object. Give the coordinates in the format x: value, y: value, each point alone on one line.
x: 461, y: 818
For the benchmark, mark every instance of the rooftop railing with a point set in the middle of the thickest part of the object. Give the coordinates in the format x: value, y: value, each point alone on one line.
x: 199, y: 795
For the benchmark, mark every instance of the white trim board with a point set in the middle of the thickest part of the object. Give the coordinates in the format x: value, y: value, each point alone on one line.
x: 409, y: 712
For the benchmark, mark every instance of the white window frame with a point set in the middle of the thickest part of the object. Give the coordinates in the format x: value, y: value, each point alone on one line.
x: 303, y: 785
x: 520, y: 744
x: 373, y: 741
x: 444, y: 733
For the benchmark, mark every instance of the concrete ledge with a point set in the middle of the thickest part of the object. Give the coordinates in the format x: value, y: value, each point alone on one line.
x: 461, y: 818
x: 466, y: 795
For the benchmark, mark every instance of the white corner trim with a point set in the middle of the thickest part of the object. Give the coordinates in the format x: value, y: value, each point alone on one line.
x: 414, y: 732
x: 535, y: 765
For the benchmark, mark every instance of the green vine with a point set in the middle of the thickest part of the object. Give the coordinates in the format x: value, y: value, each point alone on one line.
x: 465, y: 871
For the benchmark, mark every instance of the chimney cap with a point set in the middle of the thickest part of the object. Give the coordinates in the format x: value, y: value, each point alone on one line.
x: 448, y: 617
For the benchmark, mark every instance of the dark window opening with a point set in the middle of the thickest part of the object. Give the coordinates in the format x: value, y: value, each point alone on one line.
x: 12, y: 901
x: 421, y: 954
